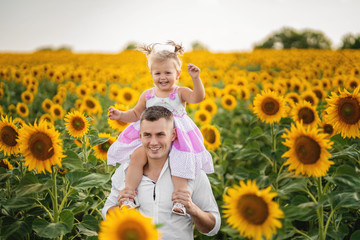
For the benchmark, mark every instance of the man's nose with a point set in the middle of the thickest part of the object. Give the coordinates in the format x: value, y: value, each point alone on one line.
x: 153, y: 141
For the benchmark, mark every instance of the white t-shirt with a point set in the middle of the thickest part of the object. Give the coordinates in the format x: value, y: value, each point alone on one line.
x: 155, y: 202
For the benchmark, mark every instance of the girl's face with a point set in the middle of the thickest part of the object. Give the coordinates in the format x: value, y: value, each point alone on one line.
x: 164, y: 74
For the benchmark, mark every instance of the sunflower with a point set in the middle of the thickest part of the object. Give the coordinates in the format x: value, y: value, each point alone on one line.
x: 292, y: 97
x: 252, y: 211
x: 244, y: 93
x: 319, y: 92
x: 4, y: 163
x: 76, y: 123
x: 269, y: 106
x: 82, y: 91
x: 352, y: 83
x: 47, y: 117
x: 40, y: 146
x: 308, y: 154
x: 8, y: 136
x: 310, y: 97
x: 209, y: 105
x: 231, y: 89
x: 1, y: 93
x: 202, y: 117
x: 46, y: 105
x: 22, y: 109
x: 18, y: 122
x: 118, y: 125
x: 56, y: 111
x: 211, y: 137
x: 306, y: 114
x: 228, y: 102
x: 100, y: 150
x: 125, y: 224
x: 128, y: 96
x: 327, y: 128
x: 343, y: 112
x: 90, y: 105
x: 27, y: 97
x: 58, y: 99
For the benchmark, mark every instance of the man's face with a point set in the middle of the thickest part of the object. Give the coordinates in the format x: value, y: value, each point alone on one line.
x: 157, y: 137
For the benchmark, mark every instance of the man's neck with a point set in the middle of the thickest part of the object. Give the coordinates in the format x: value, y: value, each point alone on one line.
x: 153, y: 168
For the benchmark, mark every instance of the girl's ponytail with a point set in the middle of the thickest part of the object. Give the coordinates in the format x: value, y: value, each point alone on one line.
x: 178, y: 47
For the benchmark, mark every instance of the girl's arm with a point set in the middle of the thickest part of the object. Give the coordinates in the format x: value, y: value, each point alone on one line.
x: 198, y: 93
x: 132, y: 115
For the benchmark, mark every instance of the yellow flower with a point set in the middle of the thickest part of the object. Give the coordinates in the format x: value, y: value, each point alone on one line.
x: 228, y: 102
x: 269, y: 106
x: 47, y: 117
x: 310, y: 97
x: 90, y: 105
x: 41, y: 147
x: 82, y: 91
x: 22, y: 109
x: 126, y: 224
x: 76, y: 123
x: 343, y: 112
x: 27, y: 97
x: 100, y: 150
x: 4, y: 163
x: 252, y: 211
x: 8, y: 136
x: 202, y: 117
x: 327, y: 128
x: 46, y: 105
x: 128, y: 96
x: 118, y: 125
x: 308, y: 153
x: 209, y: 105
x: 306, y: 114
x: 211, y: 137
x: 56, y: 111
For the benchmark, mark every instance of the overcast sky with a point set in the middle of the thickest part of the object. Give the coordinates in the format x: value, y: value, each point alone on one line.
x: 221, y: 25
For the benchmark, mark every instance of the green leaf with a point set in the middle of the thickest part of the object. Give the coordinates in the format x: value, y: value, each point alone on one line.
x: 344, y: 200
x: 72, y: 160
x: 97, y: 141
x: 85, y: 231
x: 293, y: 185
x: 90, y: 222
x: 67, y: 217
x: 83, y: 180
x: 302, y: 212
x: 49, y: 230
x: 355, y: 235
x: 27, y: 189
x: 15, y: 229
x: 256, y: 132
x: 19, y: 203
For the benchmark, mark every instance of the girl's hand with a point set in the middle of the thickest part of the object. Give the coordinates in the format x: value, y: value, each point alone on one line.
x: 194, y: 71
x: 114, y: 114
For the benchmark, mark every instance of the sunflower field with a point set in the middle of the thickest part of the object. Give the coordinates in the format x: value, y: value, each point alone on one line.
x: 282, y: 127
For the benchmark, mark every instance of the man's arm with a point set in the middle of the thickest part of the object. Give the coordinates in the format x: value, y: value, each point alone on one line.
x: 204, y: 221
x: 201, y: 205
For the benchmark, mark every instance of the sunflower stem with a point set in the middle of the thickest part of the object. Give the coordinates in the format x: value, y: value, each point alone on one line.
x: 267, y: 158
x: 329, y: 220
x: 84, y: 148
x: 55, y: 195
x: 65, y: 198
x: 302, y: 233
x: 273, y: 143
x: 320, y: 210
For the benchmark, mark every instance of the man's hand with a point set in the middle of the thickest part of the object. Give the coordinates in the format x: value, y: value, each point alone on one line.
x: 194, y: 71
x: 184, y: 197
x: 114, y: 114
x: 126, y: 194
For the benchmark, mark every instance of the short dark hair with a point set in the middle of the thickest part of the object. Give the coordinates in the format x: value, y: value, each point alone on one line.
x: 155, y: 113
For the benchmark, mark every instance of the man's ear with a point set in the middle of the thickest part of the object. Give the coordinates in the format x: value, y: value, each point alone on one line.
x: 173, y: 134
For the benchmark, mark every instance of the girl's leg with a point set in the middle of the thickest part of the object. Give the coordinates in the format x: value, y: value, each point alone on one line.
x: 179, y: 184
x: 135, y: 170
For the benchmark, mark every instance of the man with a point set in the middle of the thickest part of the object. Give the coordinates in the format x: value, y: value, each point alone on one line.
x: 155, y: 191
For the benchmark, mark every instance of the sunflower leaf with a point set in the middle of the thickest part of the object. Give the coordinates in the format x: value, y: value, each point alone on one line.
x: 26, y: 189
x: 344, y: 199
x: 72, y: 160
x: 86, y: 180
x: 97, y: 140
x: 90, y: 222
x: 67, y: 217
x: 49, y: 230
x: 355, y: 235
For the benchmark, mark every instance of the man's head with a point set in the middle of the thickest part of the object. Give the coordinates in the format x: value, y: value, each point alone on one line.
x: 157, y: 132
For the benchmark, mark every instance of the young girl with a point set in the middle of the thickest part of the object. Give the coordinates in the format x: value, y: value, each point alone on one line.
x: 188, y: 154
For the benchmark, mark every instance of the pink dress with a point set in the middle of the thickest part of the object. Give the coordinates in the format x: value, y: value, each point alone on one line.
x: 188, y: 154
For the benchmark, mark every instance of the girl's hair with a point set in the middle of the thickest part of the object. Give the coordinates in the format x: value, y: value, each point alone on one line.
x: 154, y: 55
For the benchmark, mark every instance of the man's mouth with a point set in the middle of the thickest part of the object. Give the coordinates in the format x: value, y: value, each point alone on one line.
x: 154, y: 148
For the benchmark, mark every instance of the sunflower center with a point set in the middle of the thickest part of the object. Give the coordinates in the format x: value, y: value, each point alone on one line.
x: 57, y: 112
x: 41, y: 146
x: 318, y: 94
x: 349, y: 110
x: 78, y: 123
x: 90, y: 104
x: 307, y: 115
x: 131, y: 231
x: 8, y: 136
x: 105, y: 146
x: 270, y: 106
x: 228, y: 102
x: 328, y: 128
x: 210, y: 136
x: 47, y: 106
x: 128, y: 96
x: 253, y: 208
x: 353, y: 84
x: 307, y: 150
x: 202, y: 117
x: 209, y: 108
x: 23, y: 109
